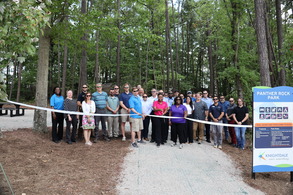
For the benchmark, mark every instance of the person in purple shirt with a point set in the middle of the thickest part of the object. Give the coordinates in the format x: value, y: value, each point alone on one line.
x: 178, y: 124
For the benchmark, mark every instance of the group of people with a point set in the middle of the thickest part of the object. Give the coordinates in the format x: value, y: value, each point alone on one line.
x: 163, y: 109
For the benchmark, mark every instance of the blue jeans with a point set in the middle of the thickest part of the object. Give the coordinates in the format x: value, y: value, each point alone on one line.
x: 240, y: 135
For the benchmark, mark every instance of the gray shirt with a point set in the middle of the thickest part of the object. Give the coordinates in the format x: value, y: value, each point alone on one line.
x: 199, y: 110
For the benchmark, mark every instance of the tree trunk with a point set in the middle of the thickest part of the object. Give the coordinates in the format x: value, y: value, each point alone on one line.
x: 262, y: 43
x: 211, y: 65
x: 13, y: 79
x: 282, y: 76
x: 59, y: 67
x: 19, y: 81
x: 40, y: 116
x: 64, y: 71
x: 97, y: 64
x: 118, y: 45
x: 167, y: 38
x: 83, y: 64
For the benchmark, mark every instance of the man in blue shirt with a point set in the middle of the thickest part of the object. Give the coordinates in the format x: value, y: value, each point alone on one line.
x: 123, y: 99
x: 100, y: 98
x: 217, y: 113
x: 225, y: 105
x: 136, y: 117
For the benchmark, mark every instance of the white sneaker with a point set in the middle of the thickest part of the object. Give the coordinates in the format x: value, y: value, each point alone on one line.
x: 220, y: 147
x: 180, y: 146
x: 88, y: 143
x: 124, y: 139
x: 215, y: 146
x: 173, y: 144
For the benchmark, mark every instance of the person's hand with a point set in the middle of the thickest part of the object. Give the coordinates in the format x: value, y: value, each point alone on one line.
x: 54, y: 116
x: 69, y: 118
x: 206, y: 119
x: 89, y: 119
x: 114, y: 112
x: 128, y: 110
x: 170, y: 123
x: 215, y: 120
x: 239, y: 123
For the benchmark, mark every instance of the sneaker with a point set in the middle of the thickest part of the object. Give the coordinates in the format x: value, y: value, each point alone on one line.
x: 124, y: 139
x: 146, y: 139
x: 115, y: 136
x: 152, y: 141
x: 95, y: 140
x: 220, y: 147
x: 141, y: 141
x: 173, y: 144
x: 134, y: 145
x: 106, y: 138
x: 180, y: 146
x: 208, y: 141
x: 199, y: 142
x: 215, y: 146
x: 158, y: 145
x: 88, y: 143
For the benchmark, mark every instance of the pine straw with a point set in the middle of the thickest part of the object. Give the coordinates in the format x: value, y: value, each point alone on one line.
x: 36, y: 165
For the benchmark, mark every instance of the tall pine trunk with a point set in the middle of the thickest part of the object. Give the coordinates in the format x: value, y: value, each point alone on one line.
x: 40, y: 116
x: 64, y: 71
x: 118, y: 45
x: 19, y: 81
x: 83, y: 64
x: 97, y: 63
x: 262, y: 43
x: 282, y: 75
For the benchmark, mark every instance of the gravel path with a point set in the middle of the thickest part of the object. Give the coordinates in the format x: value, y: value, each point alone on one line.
x: 195, y: 169
x: 9, y: 123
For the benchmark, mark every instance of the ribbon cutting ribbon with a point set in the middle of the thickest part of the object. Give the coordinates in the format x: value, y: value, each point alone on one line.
x: 81, y: 113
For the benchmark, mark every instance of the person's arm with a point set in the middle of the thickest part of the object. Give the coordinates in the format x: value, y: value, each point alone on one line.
x: 206, y: 114
x: 109, y: 108
x: 185, y: 113
x: 221, y: 116
x: 214, y: 119
x: 170, y: 114
x: 52, y: 107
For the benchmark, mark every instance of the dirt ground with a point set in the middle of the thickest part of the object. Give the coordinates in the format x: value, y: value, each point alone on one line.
x: 36, y: 165
x: 272, y: 183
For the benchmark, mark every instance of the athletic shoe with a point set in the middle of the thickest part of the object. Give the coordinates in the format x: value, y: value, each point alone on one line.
x: 88, y: 143
x: 180, y: 146
x: 95, y: 140
x: 220, y: 147
x: 134, y: 145
x: 173, y: 144
x: 158, y: 145
x: 124, y: 139
x: 106, y: 138
x: 215, y: 146
x: 199, y: 142
x: 141, y: 141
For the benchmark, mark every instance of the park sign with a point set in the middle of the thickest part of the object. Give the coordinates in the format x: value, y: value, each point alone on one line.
x: 272, y: 129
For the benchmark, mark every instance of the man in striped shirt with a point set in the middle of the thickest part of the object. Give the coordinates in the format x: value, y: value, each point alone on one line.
x: 100, y: 98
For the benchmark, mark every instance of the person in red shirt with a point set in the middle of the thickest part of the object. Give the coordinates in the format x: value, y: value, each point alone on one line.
x: 160, y: 108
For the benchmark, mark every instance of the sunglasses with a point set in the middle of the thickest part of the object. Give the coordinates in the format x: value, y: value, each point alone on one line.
x: 231, y: 101
x: 178, y: 99
x: 84, y: 87
x: 88, y: 95
x: 216, y: 99
x: 144, y: 96
x: 135, y: 91
x: 116, y: 88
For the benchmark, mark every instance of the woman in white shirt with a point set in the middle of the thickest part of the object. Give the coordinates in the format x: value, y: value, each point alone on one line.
x: 147, y: 108
x: 189, y: 124
x: 88, y: 122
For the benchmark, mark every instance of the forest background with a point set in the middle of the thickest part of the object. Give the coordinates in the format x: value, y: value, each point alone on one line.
x: 225, y: 46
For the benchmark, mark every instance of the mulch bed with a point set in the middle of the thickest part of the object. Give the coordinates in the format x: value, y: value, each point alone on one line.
x: 271, y: 182
x: 36, y: 165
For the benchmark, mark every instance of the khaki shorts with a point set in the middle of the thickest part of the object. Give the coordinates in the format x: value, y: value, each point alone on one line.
x: 124, y: 119
x: 136, y: 124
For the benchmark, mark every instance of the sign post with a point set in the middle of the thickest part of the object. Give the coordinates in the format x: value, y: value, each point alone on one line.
x: 273, y: 129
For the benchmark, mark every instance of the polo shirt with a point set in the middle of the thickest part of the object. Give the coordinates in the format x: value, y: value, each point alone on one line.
x: 135, y: 102
x: 113, y: 103
x: 178, y: 112
x: 124, y: 97
x: 240, y: 113
x: 216, y: 110
x: 147, y: 107
x: 170, y: 101
x: 57, y: 102
x: 100, y: 99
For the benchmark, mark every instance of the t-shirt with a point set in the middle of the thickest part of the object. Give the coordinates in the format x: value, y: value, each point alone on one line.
x: 147, y: 107
x: 199, y: 110
x: 57, y: 102
x: 230, y: 109
x: 135, y: 102
x: 81, y: 97
x: 178, y: 112
x: 124, y: 97
x: 240, y: 113
x: 100, y: 99
x: 162, y: 105
x: 216, y: 110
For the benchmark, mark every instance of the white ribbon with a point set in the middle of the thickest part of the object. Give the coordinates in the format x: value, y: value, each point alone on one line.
x: 81, y: 113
